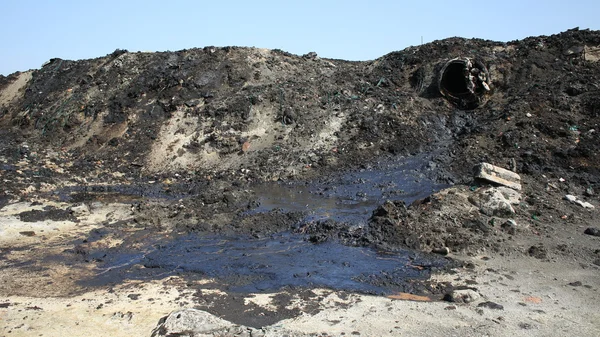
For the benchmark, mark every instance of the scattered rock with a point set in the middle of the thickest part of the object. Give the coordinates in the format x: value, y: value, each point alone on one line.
x: 190, y: 323
x: 80, y: 210
x: 134, y: 297
x: 27, y: 233
x: 462, y: 296
x: 512, y: 196
x: 498, y: 175
x: 589, y: 191
x: 591, y: 54
x: 441, y: 251
x: 538, y: 251
x: 576, y: 284
x: 510, y: 227
x: 581, y: 203
x: 491, y: 305
x: 492, y: 202
x: 311, y: 56
x: 592, y: 231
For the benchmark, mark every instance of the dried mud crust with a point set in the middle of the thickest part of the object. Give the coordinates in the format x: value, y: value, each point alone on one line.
x: 203, y: 124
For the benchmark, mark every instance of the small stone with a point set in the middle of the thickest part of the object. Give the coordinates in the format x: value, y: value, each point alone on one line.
x: 576, y: 284
x: 512, y: 196
x: 256, y: 332
x: 80, y: 210
x: 491, y: 305
x: 510, y: 227
x: 539, y: 252
x: 594, y: 231
x: 462, y: 296
x: 441, y: 251
x: 581, y: 203
x: 589, y: 191
x: 189, y: 322
x: 134, y: 297
x: 492, y: 202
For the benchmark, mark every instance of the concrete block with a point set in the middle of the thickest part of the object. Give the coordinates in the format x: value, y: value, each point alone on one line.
x: 498, y: 175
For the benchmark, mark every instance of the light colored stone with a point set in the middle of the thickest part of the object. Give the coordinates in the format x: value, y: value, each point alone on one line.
x: 581, y: 203
x: 80, y: 210
x: 492, y: 202
x: 512, y: 196
x: 591, y: 54
x: 464, y: 296
x: 498, y: 175
x: 190, y: 322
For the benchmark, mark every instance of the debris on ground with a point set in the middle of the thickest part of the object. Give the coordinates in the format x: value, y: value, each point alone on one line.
x: 108, y: 165
x: 581, y: 203
x: 498, y: 175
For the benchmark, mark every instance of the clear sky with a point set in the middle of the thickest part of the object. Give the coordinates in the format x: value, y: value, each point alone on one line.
x: 33, y: 31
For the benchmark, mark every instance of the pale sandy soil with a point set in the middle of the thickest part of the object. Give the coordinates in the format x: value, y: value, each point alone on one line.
x: 536, y: 295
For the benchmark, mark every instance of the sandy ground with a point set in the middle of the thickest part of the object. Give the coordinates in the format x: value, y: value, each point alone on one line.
x: 12, y: 91
x: 538, y: 298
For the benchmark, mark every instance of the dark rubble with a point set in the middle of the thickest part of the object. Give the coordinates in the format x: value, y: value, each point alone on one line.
x: 187, y: 134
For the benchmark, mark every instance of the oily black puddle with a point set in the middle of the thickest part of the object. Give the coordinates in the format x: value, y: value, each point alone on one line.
x: 354, y: 195
x: 121, y: 193
x: 246, y: 264
x: 265, y: 263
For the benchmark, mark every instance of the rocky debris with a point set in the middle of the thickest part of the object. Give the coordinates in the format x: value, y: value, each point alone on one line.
x: 80, y: 210
x: 591, y: 54
x: 184, y: 137
x: 190, y: 323
x: 204, y: 125
x: 576, y: 201
x: 511, y: 196
x: 589, y: 191
x: 462, y: 296
x: 491, y: 305
x: 538, y: 251
x: 492, y: 201
x: 498, y: 175
x: 441, y: 251
x: 592, y: 231
x: 199, y: 323
x: 510, y: 226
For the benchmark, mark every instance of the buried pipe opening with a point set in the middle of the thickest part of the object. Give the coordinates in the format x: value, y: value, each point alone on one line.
x: 464, y: 82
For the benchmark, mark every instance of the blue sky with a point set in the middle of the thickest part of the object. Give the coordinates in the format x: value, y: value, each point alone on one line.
x: 35, y: 31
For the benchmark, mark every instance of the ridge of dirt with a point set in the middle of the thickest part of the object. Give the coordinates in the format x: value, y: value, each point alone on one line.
x: 208, y: 123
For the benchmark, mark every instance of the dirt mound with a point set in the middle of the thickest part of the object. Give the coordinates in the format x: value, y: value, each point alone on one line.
x: 210, y: 122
